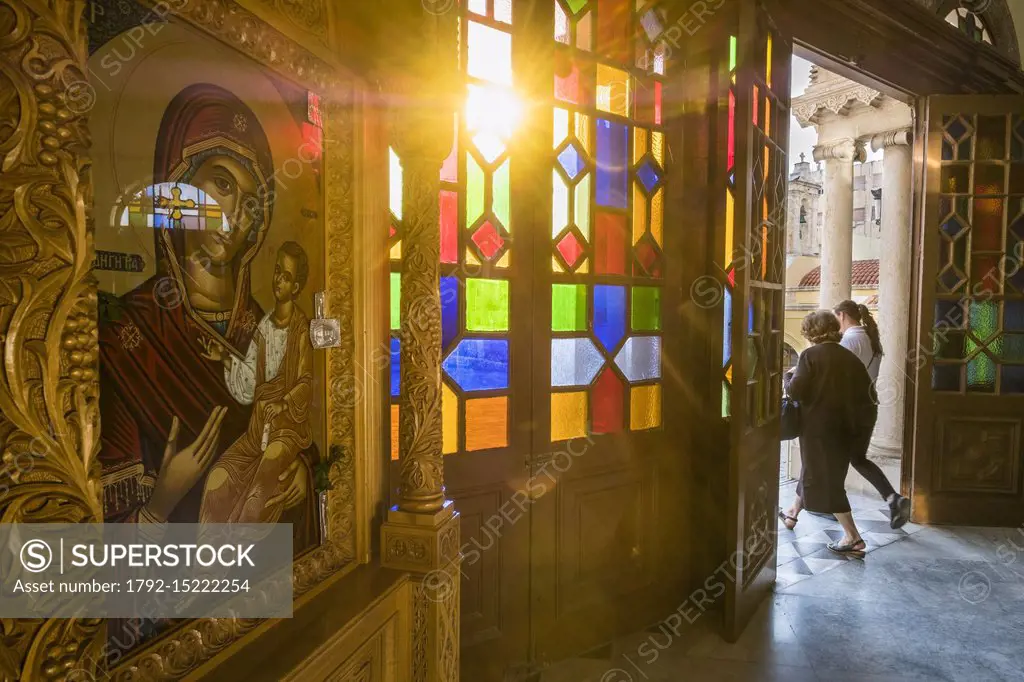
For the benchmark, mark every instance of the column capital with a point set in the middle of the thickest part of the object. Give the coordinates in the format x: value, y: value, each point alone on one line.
x: 844, y: 149
x: 900, y: 136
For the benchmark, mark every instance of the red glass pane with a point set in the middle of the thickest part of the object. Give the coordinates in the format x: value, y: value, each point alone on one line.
x: 571, y: 83
x: 732, y: 129
x: 571, y: 249
x: 732, y: 277
x: 488, y: 240
x: 647, y: 258
x: 613, y: 29
x: 657, y: 103
x: 607, y: 403
x: 391, y: 231
x: 610, y: 244
x: 987, y: 226
x: 757, y: 100
x: 449, y: 204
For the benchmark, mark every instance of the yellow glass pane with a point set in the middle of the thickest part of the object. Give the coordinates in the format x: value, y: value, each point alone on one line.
x: 396, y: 251
x: 768, y: 117
x: 568, y: 415
x: 658, y: 215
x: 394, y: 431
x: 504, y: 260
x: 768, y: 62
x: 729, y: 212
x: 645, y: 407
x: 582, y: 129
x: 728, y: 374
x: 490, y: 54
x: 639, y: 212
x: 471, y: 258
x: 583, y: 267
x: 658, y: 147
x: 639, y: 143
x: 561, y: 127
x: 449, y: 420
x: 559, y: 203
x: 486, y: 423
x: 556, y: 266
x: 582, y: 199
x: 612, y: 92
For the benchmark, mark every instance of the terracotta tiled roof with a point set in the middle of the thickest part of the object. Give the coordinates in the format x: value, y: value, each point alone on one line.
x: 865, y: 275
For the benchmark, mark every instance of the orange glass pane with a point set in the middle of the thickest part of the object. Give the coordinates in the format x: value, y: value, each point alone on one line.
x: 658, y: 216
x: 658, y: 147
x: 768, y: 63
x: 486, y: 423
x: 639, y: 143
x: 639, y: 212
x: 449, y: 420
x: 645, y: 407
x: 612, y: 94
x: 568, y: 415
x: 584, y: 32
x: 394, y: 431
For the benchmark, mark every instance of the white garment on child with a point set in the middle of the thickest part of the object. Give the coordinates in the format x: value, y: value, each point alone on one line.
x: 240, y: 376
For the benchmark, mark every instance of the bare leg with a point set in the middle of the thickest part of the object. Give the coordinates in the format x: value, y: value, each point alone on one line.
x: 851, y: 534
x: 793, y: 511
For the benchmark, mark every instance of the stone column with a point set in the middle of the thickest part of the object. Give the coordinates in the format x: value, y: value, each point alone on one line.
x: 421, y: 532
x: 893, y: 289
x: 837, y: 231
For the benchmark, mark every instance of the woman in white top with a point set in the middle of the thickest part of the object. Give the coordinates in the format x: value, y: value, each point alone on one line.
x: 860, y: 337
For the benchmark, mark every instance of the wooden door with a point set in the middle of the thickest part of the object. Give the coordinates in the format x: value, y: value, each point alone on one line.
x: 757, y: 111
x: 969, y: 356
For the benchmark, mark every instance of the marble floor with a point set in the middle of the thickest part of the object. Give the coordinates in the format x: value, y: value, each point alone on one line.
x: 925, y: 604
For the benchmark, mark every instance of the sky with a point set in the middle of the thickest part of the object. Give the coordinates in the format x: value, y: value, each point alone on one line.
x: 803, y: 139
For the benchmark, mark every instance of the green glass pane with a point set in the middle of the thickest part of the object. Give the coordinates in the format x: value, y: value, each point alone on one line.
x: 576, y: 5
x: 568, y: 307
x: 559, y: 203
x: 396, y: 300
x: 474, y: 190
x: 487, y: 305
x: 500, y: 181
x: 732, y: 53
x: 646, y: 308
x: 583, y: 206
x: 395, y: 183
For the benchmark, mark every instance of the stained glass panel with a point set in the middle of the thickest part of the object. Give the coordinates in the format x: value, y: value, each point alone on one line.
x: 487, y: 305
x: 486, y: 423
x: 568, y: 415
x: 568, y: 307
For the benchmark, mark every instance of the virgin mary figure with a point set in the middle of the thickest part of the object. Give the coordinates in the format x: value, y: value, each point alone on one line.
x: 167, y: 413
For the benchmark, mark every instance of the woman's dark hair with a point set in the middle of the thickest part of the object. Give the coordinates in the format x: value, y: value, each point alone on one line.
x: 821, y: 326
x: 859, y: 313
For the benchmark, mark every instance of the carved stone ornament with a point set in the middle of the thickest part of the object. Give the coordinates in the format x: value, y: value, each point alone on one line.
x: 49, y: 393
x: 831, y: 95
x: 902, y: 136
x: 845, y: 149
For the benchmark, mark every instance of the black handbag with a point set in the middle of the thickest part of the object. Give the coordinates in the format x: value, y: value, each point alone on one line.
x: 790, y: 418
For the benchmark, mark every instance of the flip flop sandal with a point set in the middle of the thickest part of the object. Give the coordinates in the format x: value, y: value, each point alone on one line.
x: 857, y: 547
x: 789, y: 521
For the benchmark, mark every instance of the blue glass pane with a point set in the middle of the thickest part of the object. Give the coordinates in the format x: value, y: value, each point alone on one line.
x: 640, y: 358
x: 396, y: 373
x: 1013, y: 316
x: 727, y: 329
x: 648, y: 174
x: 949, y: 315
x: 571, y: 161
x: 1013, y: 379
x: 750, y: 315
x: 574, y: 362
x: 479, y: 364
x: 609, y: 314
x: 449, y: 310
x: 612, y: 176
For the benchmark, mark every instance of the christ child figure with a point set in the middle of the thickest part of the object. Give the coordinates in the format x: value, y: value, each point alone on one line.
x: 276, y: 377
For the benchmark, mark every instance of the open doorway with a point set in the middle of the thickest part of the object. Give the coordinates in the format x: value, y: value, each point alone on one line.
x: 849, y: 203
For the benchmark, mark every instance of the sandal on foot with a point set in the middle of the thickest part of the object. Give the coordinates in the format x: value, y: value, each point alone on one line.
x: 789, y: 521
x: 856, y: 547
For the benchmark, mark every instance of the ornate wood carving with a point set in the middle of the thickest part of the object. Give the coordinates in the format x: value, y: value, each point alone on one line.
x: 978, y: 454
x: 48, y: 388
x: 309, y: 15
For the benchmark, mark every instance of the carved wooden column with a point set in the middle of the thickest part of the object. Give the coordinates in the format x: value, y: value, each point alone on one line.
x: 421, y: 533
x: 49, y: 429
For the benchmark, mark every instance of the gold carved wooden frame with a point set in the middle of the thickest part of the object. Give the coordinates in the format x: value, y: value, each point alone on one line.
x: 49, y: 390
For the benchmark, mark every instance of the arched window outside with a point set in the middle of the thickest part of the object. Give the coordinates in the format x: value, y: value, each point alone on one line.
x: 970, y: 23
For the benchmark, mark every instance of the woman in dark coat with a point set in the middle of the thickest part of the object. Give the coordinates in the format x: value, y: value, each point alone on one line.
x: 837, y: 412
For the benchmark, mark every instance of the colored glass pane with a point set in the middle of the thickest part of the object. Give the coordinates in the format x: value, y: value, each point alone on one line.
x: 649, y: 175
x: 396, y: 251
x: 573, y: 84
x: 581, y: 128
x: 647, y: 258
x: 489, y: 145
x: 490, y: 54
x: 395, y: 412
x: 730, y: 207
x: 486, y: 423
x: 658, y: 216
x: 479, y: 364
x: 612, y: 177
x: 658, y: 147
x: 614, y: 26
x: 396, y: 300
x: 500, y: 187
x: 575, y: 5
x: 609, y: 314
x: 640, y: 358
x: 639, y: 213
x: 486, y: 305
x: 756, y: 101
x: 732, y: 53
x: 644, y: 407
x: 571, y: 161
x: 478, y: 7
x: 395, y: 184
x: 727, y: 328
x: 585, y: 32
x: 449, y: 214
x: 639, y: 143
x: 606, y: 403
x: 559, y: 204
x: 574, y: 362
x: 657, y: 103
x: 610, y: 244
x: 474, y: 190
x: 560, y: 126
x: 646, y: 308
x: 732, y: 130
x: 561, y: 24
x: 612, y: 93
x: 450, y: 167
x: 582, y: 217
x: 503, y: 11
x: 396, y: 374
x: 488, y: 240
x: 449, y: 310
x: 568, y: 307
x: 568, y: 415
x: 449, y: 420
x: 768, y: 61
x: 571, y: 249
